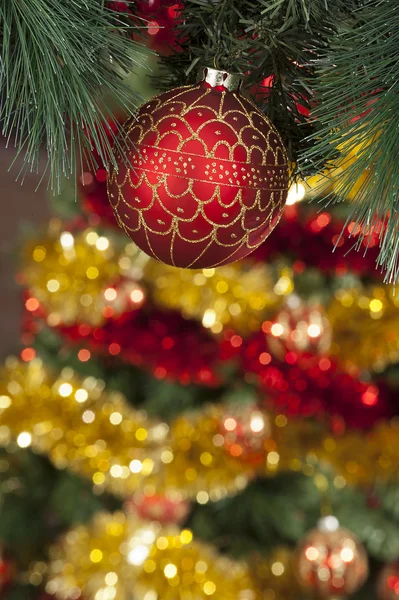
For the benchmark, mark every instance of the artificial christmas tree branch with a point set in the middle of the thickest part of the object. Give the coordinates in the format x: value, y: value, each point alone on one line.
x: 58, y: 61
x: 357, y: 107
x: 263, y: 39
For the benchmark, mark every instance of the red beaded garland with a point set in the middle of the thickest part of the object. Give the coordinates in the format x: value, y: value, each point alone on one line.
x: 207, y: 179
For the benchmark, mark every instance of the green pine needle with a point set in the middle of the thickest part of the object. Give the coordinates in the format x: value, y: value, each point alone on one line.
x: 58, y: 62
x: 261, y: 39
x: 358, y: 106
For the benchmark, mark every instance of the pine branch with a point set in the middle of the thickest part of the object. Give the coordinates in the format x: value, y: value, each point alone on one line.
x: 358, y: 104
x: 264, y: 39
x: 58, y: 62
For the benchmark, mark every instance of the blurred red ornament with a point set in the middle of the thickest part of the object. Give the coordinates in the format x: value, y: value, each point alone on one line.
x: 209, y: 175
x: 93, y: 180
x: 159, y: 508
x: 6, y: 571
x: 262, y: 90
x: 299, y: 328
x: 330, y: 561
x: 119, y: 6
x: 244, y: 430
x: 95, y: 202
x: 149, y: 7
x: 388, y: 582
x: 160, y: 18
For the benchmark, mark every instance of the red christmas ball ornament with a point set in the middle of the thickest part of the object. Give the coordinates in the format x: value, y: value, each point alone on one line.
x: 207, y: 178
x: 156, y: 507
x: 388, y: 582
x: 149, y: 7
x: 119, y: 6
x: 244, y: 430
x: 299, y: 328
x: 7, y: 569
x: 330, y: 561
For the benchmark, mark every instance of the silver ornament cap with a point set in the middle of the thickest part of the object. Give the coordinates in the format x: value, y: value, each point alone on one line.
x: 219, y: 78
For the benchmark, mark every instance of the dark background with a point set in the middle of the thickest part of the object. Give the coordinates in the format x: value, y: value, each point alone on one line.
x: 19, y: 205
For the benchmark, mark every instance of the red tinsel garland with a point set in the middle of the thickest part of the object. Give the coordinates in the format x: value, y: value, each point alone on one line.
x: 319, y: 390
x: 162, y: 341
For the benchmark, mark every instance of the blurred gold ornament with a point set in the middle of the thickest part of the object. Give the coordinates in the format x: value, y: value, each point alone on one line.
x: 120, y: 557
x: 76, y: 277
x: 300, y: 328
x: 320, y: 184
x: 333, y: 180
x: 350, y: 152
x: 236, y: 296
x: 78, y: 425
x: 330, y: 561
x: 365, y: 325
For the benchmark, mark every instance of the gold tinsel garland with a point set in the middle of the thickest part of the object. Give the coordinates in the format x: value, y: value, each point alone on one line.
x: 117, y: 557
x: 76, y: 278
x: 80, y: 277
x: 78, y: 425
x: 365, y: 322
x: 238, y: 296
x: 196, y: 463
x: 98, y: 436
x: 84, y: 278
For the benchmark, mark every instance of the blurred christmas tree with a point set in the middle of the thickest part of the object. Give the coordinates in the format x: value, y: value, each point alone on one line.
x: 169, y: 433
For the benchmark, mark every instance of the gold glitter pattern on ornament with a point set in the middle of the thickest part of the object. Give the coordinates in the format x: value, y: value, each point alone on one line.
x: 74, y: 276
x: 237, y: 295
x: 118, y: 556
x: 78, y: 425
x: 202, y: 209
x: 365, y: 324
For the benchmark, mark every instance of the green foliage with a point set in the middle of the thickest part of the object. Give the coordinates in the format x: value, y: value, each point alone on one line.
x: 59, y: 63
x: 19, y: 592
x: 38, y: 502
x: 248, y: 521
x: 261, y: 38
x: 358, y: 103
